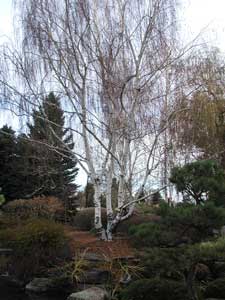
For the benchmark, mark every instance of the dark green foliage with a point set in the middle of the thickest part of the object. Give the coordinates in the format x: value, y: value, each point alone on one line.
x: 152, y: 289
x: 200, y: 180
x: 182, y: 224
x: 89, y: 193
x: 84, y: 219
x: 151, y: 234
x: 25, y: 168
x: 54, y: 166
x: 36, y: 245
x: 42, y: 162
x: 178, y: 262
x: 181, y: 244
x: 215, y: 289
x: 156, y: 198
x: 136, y: 219
x: 166, y: 262
x: 8, y: 181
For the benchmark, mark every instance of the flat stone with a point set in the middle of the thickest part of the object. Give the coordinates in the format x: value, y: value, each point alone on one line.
x: 5, y: 251
x: 39, y: 285
x: 94, y: 293
x: 94, y: 257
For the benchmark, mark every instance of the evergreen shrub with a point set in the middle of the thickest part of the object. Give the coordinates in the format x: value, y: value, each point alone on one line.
x: 152, y: 289
x: 36, y: 245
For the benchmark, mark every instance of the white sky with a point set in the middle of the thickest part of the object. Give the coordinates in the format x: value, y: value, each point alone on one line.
x: 208, y: 15
x: 195, y: 16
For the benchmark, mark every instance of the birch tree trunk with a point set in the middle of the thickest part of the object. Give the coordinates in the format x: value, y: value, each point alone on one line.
x: 106, y: 60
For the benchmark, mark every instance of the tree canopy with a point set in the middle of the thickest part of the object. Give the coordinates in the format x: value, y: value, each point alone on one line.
x: 200, y: 180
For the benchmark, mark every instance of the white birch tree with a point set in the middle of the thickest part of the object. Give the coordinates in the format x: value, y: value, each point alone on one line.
x: 108, y: 61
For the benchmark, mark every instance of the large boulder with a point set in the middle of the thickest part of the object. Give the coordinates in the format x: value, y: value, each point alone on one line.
x: 93, y: 293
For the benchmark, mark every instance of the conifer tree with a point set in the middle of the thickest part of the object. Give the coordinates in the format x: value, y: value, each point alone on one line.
x: 8, y: 179
x: 24, y: 167
x: 53, y: 163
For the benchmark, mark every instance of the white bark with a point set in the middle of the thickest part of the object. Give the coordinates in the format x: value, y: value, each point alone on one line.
x: 106, y: 59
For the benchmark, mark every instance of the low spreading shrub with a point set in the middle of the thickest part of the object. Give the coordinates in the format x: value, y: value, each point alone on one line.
x: 84, y: 219
x: 152, y: 289
x: 178, y: 225
x: 36, y: 246
x: 136, y: 219
x: 47, y: 207
x: 215, y: 289
x: 151, y: 234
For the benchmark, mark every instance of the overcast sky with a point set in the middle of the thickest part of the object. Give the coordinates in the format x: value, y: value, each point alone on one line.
x: 196, y: 15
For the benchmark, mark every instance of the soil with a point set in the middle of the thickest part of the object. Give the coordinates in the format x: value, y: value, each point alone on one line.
x: 85, y: 241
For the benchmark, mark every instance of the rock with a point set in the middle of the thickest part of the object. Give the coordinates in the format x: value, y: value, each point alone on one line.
x: 95, y: 276
x: 6, y: 251
x: 39, y: 285
x: 216, y: 232
x: 49, y: 285
x: 93, y: 293
x: 94, y: 257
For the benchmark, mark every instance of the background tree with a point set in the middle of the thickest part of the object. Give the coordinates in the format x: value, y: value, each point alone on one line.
x: 54, y: 166
x: 89, y: 195
x: 9, y: 180
x: 200, y: 180
x: 199, y: 130
x: 24, y: 166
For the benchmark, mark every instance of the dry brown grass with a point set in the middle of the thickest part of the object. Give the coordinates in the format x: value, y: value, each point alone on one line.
x: 35, y: 207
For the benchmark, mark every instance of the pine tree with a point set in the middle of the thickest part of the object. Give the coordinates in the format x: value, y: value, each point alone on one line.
x: 8, y: 178
x: 24, y: 167
x: 53, y: 163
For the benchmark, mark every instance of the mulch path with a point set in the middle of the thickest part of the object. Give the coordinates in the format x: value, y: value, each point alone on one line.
x: 81, y: 241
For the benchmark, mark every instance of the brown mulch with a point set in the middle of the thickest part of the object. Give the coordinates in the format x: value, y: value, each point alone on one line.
x: 85, y: 241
